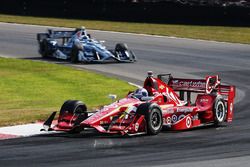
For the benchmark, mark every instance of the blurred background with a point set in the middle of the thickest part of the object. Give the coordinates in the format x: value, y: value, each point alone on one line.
x: 200, y: 12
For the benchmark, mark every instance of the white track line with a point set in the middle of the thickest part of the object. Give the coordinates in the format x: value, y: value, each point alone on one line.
x: 21, y: 131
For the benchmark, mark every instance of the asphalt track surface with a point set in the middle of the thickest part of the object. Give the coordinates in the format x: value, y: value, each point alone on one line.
x: 227, y: 146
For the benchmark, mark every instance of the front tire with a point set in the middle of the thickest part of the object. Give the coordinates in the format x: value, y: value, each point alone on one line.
x: 74, y: 108
x: 121, y: 47
x: 75, y: 52
x: 153, y: 117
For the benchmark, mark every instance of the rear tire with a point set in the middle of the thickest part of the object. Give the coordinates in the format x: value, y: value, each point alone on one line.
x: 44, y: 51
x: 219, y: 111
x: 153, y: 117
x: 75, y: 52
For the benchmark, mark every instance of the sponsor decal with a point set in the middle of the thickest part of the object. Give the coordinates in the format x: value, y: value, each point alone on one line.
x: 188, y: 122
x: 174, y: 118
x: 203, y: 100
x: 103, y: 122
x: 136, y: 127
x: 168, y: 120
x: 170, y: 111
x: 114, y: 105
x: 188, y: 84
x: 161, y: 87
x: 231, y: 107
x: 184, y: 110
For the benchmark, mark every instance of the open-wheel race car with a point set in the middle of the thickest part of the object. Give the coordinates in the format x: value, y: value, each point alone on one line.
x: 78, y: 46
x: 162, y: 101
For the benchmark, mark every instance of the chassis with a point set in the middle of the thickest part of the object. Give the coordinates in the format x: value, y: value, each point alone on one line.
x: 169, y: 104
x: 65, y: 45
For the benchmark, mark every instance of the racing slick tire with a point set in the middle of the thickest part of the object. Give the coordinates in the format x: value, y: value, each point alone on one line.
x: 121, y: 47
x: 44, y: 51
x: 77, y: 47
x: 219, y: 112
x: 153, y: 117
x: 75, y: 107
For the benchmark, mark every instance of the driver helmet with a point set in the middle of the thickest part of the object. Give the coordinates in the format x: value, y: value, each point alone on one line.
x: 81, y: 33
x: 141, y: 92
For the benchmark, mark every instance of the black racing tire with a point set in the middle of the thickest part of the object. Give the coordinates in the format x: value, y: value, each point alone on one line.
x: 121, y: 47
x: 44, y: 51
x: 74, y: 107
x: 219, y: 112
x: 75, y: 52
x: 153, y: 117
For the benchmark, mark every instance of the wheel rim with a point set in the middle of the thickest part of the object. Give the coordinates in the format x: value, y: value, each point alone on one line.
x: 220, y: 111
x: 156, y: 120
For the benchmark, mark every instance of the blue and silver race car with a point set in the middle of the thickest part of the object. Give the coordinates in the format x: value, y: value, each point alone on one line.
x: 78, y: 46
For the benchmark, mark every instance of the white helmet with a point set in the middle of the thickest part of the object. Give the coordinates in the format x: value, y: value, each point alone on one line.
x: 141, y: 92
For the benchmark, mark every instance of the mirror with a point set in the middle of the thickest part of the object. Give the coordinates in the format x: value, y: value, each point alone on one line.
x: 112, y: 97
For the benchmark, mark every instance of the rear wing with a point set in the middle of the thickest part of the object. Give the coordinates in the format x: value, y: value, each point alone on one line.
x: 55, y: 35
x: 60, y: 34
x: 207, y: 85
x: 192, y: 85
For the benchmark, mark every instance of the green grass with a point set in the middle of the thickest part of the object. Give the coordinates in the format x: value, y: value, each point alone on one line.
x: 31, y: 90
x: 217, y: 33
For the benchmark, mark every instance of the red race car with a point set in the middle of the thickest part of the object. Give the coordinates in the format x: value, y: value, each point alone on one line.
x: 176, y: 103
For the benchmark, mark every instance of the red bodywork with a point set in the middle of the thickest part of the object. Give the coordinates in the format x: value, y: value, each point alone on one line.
x: 173, y: 95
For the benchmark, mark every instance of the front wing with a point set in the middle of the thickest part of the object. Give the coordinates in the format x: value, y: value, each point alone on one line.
x: 136, y: 127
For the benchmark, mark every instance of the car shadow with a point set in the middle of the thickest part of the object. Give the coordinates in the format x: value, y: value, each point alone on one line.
x: 52, y: 60
x: 84, y: 134
x: 60, y: 61
x: 94, y: 134
x: 202, y: 127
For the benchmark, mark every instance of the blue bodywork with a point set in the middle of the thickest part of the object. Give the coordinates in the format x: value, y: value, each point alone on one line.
x: 78, y: 46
